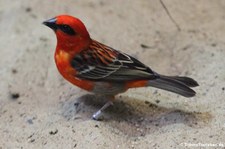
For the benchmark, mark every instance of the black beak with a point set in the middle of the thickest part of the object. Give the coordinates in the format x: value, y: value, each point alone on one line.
x: 51, y: 23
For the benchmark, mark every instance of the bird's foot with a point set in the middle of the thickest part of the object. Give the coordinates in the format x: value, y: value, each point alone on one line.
x: 97, y: 115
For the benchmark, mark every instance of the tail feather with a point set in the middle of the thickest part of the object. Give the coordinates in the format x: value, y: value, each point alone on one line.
x: 179, y: 85
x: 185, y: 80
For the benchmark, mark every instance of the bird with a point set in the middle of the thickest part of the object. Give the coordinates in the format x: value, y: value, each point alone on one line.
x: 102, y: 70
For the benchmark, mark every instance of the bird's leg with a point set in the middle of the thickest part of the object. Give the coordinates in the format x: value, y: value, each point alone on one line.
x: 97, y: 114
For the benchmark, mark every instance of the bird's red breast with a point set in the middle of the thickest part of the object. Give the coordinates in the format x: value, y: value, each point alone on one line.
x: 63, y: 59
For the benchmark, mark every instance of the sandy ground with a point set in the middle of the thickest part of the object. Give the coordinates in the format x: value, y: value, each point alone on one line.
x: 39, y: 109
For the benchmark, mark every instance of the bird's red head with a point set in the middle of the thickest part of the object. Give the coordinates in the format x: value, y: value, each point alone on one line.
x: 70, y: 32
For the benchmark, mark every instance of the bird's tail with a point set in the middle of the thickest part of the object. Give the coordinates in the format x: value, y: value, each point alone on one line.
x: 179, y: 85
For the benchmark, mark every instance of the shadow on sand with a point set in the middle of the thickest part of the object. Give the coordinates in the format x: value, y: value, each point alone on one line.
x: 132, y: 117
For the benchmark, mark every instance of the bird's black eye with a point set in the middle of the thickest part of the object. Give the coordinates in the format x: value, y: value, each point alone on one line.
x: 66, y: 29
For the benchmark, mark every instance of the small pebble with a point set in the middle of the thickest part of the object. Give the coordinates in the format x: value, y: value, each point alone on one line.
x: 53, y: 132
x: 75, y: 145
x: 76, y: 104
x: 32, y: 140
x: 28, y: 9
x: 30, y: 121
x: 147, y: 102
x: 14, y: 71
x: 15, y: 95
x: 157, y: 101
x: 145, y: 46
x: 213, y: 45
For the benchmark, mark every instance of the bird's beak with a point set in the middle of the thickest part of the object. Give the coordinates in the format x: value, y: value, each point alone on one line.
x: 51, y: 23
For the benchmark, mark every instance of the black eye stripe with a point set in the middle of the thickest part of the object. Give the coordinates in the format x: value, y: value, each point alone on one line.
x: 66, y: 29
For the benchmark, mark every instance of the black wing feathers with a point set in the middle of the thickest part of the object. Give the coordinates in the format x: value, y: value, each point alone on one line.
x: 102, y: 63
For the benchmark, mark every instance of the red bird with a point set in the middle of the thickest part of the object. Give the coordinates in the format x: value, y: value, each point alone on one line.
x: 103, y: 70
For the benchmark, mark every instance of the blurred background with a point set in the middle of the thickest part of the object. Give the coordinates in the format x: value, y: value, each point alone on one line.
x: 39, y: 109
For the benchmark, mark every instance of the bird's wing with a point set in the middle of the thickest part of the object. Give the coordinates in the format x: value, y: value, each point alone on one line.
x: 102, y: 63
